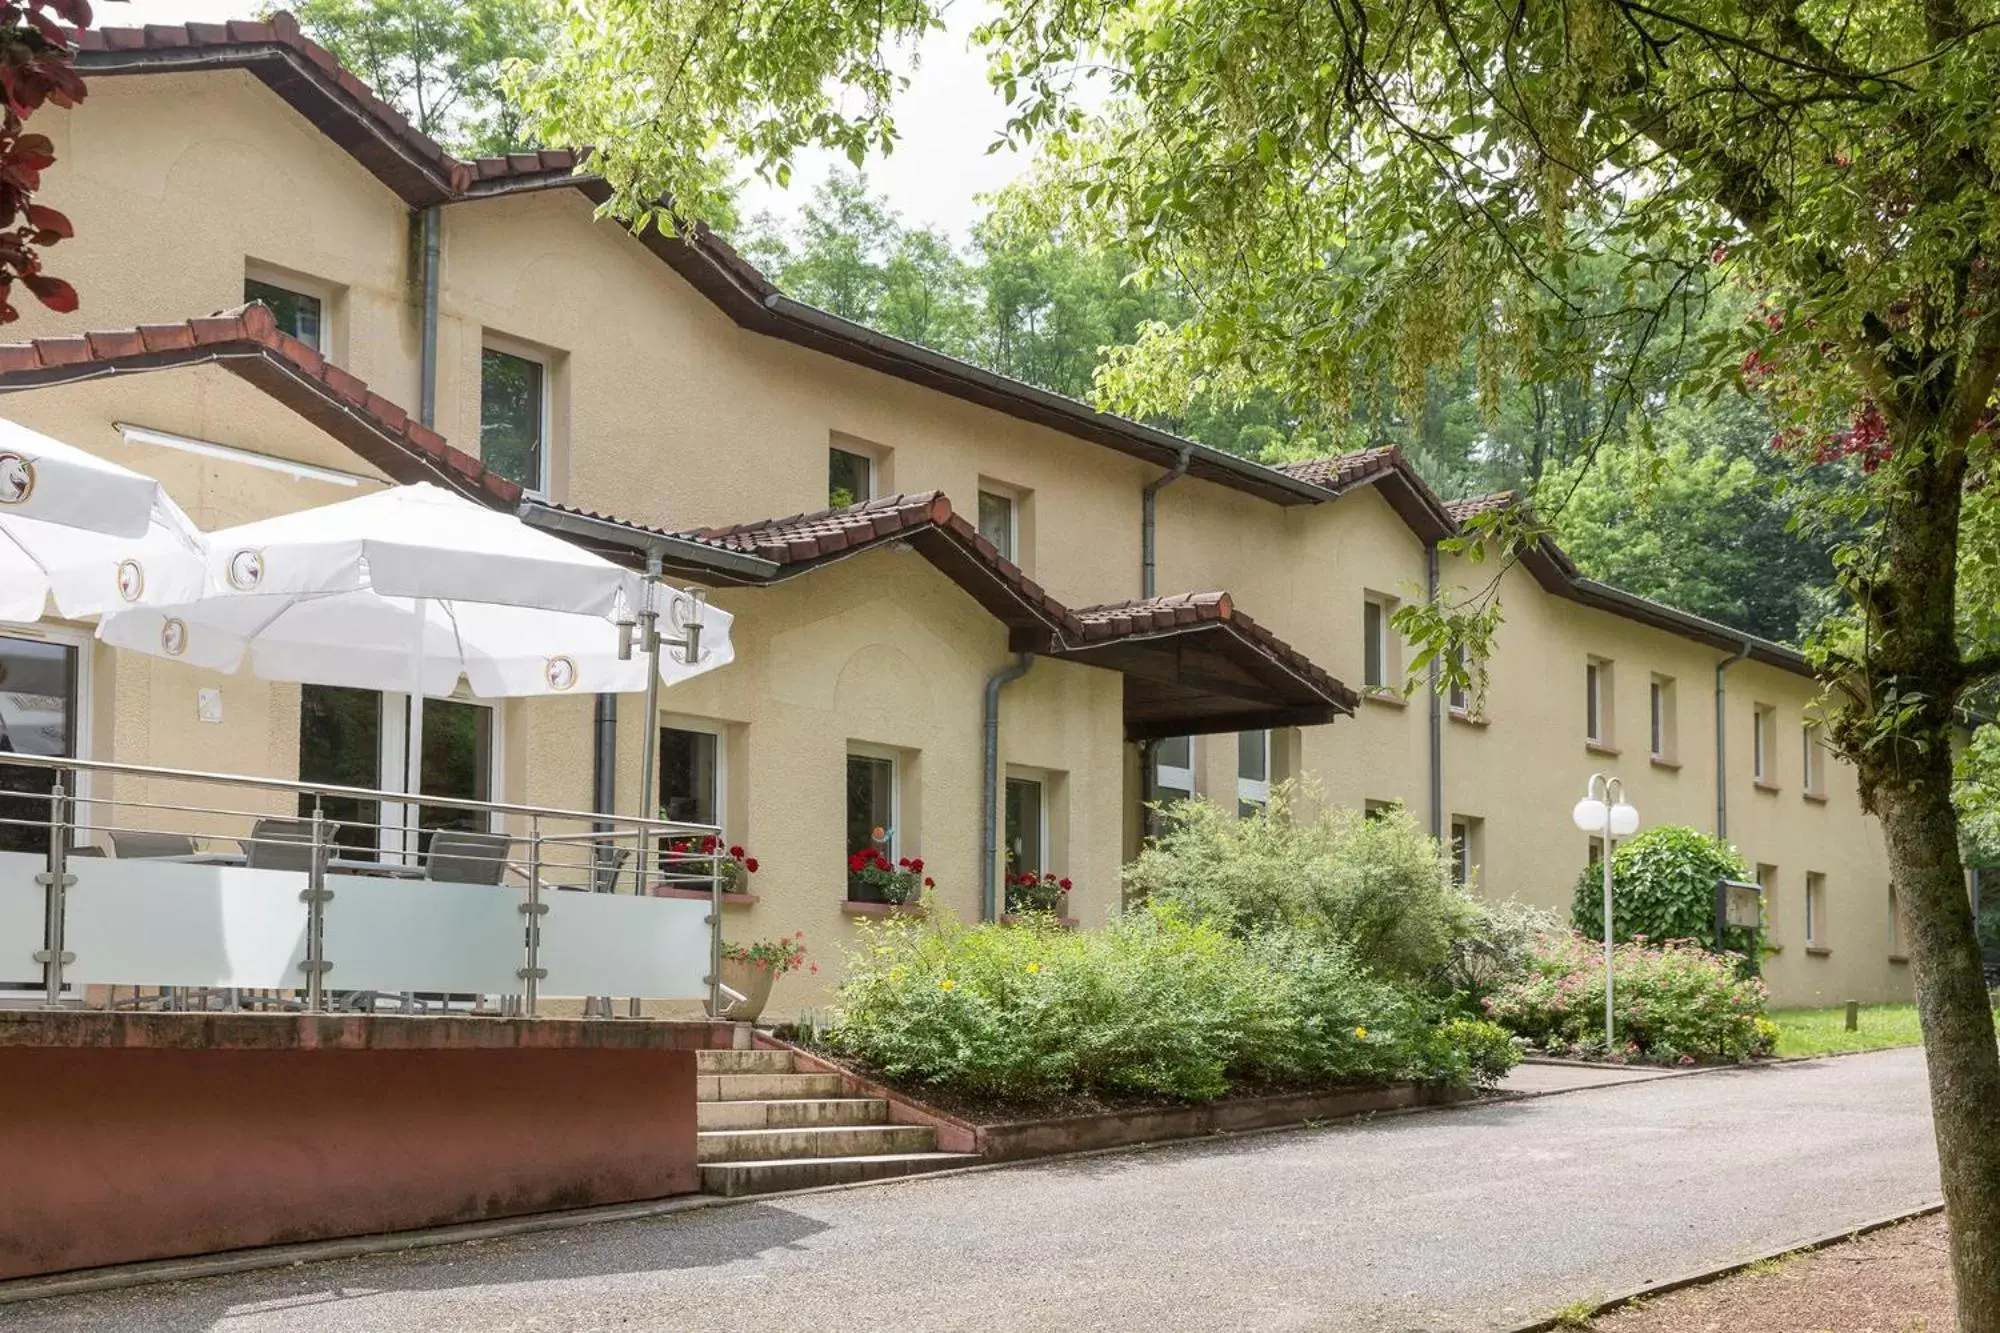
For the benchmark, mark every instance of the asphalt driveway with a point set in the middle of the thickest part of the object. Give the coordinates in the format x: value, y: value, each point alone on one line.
x: 1462, y: 1220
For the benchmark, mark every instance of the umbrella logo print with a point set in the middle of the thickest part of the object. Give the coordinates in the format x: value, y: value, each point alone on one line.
x: 246, y: 570
x: 17, y: 479
x: 131, y: 580
x: 561, y: 673
x: 174, y: 637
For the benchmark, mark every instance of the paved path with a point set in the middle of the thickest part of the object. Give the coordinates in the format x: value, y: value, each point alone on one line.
x: 1462, y: 1220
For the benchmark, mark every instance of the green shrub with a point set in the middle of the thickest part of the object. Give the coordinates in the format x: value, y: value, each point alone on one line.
x: 1380, y: 886
x: 1155, y: 1002
x: 1496, y: 949
x: 1672, y: 1002
x: 1663, y: 888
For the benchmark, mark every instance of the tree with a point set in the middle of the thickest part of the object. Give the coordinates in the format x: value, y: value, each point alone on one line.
x: 36, y: 67
x: 438, y: 61
x: 1351, y: 190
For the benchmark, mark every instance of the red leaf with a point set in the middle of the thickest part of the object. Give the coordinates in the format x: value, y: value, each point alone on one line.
x: 54, y: 293
x: 48, y: 219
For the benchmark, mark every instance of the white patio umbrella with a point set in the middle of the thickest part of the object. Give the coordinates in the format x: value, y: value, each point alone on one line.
x: 407, y: 589
x: 91, y: 573
x: 45, y: 479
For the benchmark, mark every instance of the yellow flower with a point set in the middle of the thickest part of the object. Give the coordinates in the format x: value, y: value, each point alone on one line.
x: 946, y: 984
x: 1034, y: 967
x: 1361, y: 1034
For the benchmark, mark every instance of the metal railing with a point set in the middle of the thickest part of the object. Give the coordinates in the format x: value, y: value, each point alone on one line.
x: 206, y: 862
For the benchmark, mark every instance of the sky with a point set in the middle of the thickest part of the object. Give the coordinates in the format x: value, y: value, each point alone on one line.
x: 948, y: 117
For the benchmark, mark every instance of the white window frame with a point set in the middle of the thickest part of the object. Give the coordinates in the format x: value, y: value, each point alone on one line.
x: 1763, y: 717
x: 1897, y: 949
x: 299, y: 284
x: 1012, y: 499
x: 1462, y: 862
x: 1813, y: 757
x: 1378, y: 667
x: 1815, y: 896
x: 867, y: 750
x: 716, y: 731
x: 1040, y: 782
x: 1596, y: 716
x: 1656, y: 694
x: 1254, y: 791
x: 83, y: 642
x: 493, y: 341
x: 1179, y: 780
x: 394, y: 760
x: 873, y: 457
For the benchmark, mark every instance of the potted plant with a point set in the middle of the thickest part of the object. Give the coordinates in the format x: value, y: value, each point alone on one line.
x: 872, y: 879
x: 1029, y: 892
x: 685, y: 862
x: 750, y: 969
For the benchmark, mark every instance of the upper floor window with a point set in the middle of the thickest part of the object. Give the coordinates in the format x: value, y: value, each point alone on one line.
x: 1813, y: 755
x: 1597, y: 701
x: 1661, y: 742
x: 1763, y: 723
x: 999, y: 522
x: 1253, y: 772
x: 302, y: 307
x: 1378, y: 642
x: 850, y: 478
x: 514, y: 417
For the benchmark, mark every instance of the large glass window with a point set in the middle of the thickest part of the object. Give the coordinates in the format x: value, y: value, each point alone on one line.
x: 850, y: 478
x: 457, y: 762
x: 298, y: 313
x: 344, y: 742
x: 513, y: 417
x: 689, y: 787
x: 1026, y: 827
x: 38, y: 715
x: 871, y: 813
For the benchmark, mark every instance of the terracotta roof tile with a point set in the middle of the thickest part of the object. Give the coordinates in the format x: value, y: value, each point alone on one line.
x: 247, y: 342
x: 1475, y: 505
x: 1341, y: 470
x: 1179, y: 611
x: 827, y: 531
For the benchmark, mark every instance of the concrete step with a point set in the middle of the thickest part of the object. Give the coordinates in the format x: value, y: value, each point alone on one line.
x: 762, y: 1145
x: 802, y: 1111
x: 735, y: 1179
x: 765, y: 1087
x: 743, y: 1062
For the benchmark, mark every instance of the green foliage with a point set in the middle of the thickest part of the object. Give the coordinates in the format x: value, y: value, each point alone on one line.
x: 1378, y: 885
x: 1154, y: 1003
x: 1673, y: 1003
x: 1663, y: 888
x: 1497, y: 949
x: 438, y: 61
x: 1976, y: 794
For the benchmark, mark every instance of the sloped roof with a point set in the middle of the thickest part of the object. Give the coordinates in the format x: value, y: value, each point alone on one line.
x: 1385, y: 468
x: 1472, y: 506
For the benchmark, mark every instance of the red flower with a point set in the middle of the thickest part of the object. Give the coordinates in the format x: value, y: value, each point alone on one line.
x: 750, y: 864
x: 930, y: 883
x: 903, y: 861
x: 1064, y: 885
x: 736, y: 852
x: 855, y: 862
x: 918, y: 865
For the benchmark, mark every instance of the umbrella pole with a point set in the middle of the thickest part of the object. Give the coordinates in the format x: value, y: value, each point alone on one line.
x: 413, y: 775
x: 649, y: 746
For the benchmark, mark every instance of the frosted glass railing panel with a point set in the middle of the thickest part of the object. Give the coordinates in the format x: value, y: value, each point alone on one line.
x: 22, y: 905
x: 620, y: 944
x: 418, y: 935
x: 158, y: 923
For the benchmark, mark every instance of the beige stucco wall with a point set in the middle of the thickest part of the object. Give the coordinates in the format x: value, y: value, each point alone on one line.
x: 667, y: 413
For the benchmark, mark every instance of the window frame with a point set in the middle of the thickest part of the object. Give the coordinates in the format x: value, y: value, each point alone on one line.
x: 1042, y: 827
x: 1253, y: 791
x: 895, y: 759
x: 545, y: 360
x: 872, y: 461
x: 1598, y: 701
x: 719, y: 764
x: 1763, y: 725
x: 1465, y: 833
x: 1816, y: 911
x: 1011, y: 552
x: 298, y: 284
x: 1171, y: 778
x: 1378, y: 664
x: 1812, y: 756
x: 1663, y: 722
x: 393, y: 760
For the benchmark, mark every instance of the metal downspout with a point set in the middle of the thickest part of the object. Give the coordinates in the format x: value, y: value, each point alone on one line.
x: 428, y: 375
x: 604, y: 758
x: 1722, y: 742
x: 989, y: 842
x: 1437, y: 701
x: 1148, y: 523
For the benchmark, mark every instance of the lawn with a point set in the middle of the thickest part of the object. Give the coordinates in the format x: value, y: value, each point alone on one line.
x: 1824, y: 1031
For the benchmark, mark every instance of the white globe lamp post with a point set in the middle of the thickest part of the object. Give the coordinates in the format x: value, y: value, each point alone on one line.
x: 1610, y: 817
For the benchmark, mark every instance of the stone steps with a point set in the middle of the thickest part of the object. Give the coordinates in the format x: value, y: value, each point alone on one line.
x: 763, y: 1126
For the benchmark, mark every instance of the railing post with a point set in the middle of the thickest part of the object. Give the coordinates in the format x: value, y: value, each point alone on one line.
x: 715, y: 931
x: 55, y: 882
x: 534, y: 909
x: 315, y: 897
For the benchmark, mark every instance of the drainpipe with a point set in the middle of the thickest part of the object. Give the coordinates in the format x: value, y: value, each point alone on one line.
x: 1148, y: 523
x: 1437, y: 702
x: 989, y: 843
x: 604, y: 757
x: 1722, y: 742
x: 428, y: 377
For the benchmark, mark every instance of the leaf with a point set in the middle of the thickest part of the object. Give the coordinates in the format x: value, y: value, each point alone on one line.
x: 54, y: 293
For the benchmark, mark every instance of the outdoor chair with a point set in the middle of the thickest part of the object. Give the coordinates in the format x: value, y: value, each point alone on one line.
x: 285, y: 844
x: 461, y: 857
x: 131, y: 846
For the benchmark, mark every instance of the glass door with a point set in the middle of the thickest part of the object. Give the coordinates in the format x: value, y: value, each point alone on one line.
x: 38, y: 715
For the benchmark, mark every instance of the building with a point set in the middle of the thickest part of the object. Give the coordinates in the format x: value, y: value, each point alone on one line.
x: 474, y: 324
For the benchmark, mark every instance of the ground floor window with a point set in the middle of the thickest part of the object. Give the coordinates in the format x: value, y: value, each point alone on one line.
x: 1815, y: 902
x: 1253, y: 772
x: 1027, y: 827
x: 38, y: 715
x: 1467, y: 832
x: 871, y: 816
x: 690, y: 776
x: 356, y: 738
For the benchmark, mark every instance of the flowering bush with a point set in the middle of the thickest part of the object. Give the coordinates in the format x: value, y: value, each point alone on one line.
x: 1673, y: 1002
x: 785, y: 954
x: 871, y: 879
x: 1029, y: 892
x: 1663, y: 888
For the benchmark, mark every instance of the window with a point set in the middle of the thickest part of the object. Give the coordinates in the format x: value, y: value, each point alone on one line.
x: 1173, y: 768
x: 1456, y: 697
x: 302, y: 314
x: 1895, y: 927
x: 1253, y: 772
x: 1662, y: 738
x: 1466, y: 837
x: 1377, y: 663
x: 1372, y: 809
x: 1763, y: 723
x: 850, y: 478
x: 355, y: 738
x: 1812, y: 755
x: 1597, y: 702
x: 1595, y: 856
x: 39, y: 692
x: 1767, y: 884
x: 1816, y: 922
x: 998, y: 523
x: 690, y: 776
x: 1027, y: 827
x: 871, y: 813
x: 514, y: 417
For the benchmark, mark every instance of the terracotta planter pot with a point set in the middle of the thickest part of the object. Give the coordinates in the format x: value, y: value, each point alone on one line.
x: 753, y: 983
